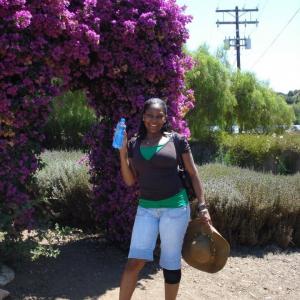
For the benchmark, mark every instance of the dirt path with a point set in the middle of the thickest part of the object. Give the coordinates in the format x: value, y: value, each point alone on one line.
x: 90, y: 269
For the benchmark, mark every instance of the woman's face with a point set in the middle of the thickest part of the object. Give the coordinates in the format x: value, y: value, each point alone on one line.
x: 154, y: 118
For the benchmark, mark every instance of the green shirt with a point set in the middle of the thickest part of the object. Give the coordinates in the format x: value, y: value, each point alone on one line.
x: 178, y: 200
x: 148, y: 151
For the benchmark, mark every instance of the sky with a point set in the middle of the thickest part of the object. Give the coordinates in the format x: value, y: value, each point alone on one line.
x: 275, y: 43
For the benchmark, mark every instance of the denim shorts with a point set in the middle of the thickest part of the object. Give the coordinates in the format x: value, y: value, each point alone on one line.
x: 170, y: 224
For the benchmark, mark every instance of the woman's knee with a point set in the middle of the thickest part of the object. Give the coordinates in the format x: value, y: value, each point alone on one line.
x: 172, y: 276
x: 134, y: 265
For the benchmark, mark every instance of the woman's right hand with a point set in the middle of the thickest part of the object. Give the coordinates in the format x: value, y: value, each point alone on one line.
x: 126, y: 170
x: 124, y: 150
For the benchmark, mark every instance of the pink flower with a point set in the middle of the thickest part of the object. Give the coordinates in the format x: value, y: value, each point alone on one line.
x: 84, y: 160
x: 129, y: 26
x: 22, y: 18
x: 12, y: 91
x: 90, y: 3
x: 93, y: 37
x: 140, y: 56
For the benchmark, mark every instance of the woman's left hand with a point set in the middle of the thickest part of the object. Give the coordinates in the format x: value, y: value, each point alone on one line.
x: 204, y: 216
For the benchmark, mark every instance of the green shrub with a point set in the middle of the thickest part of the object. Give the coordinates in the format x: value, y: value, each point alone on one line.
x: 33, y: 244
x: 276, y: 153
x: 252, y: 208
x: 70, y: 119
x: 206, y: 147
x: 296, y: 108
x: 63, y: 189
x: 248, y: 207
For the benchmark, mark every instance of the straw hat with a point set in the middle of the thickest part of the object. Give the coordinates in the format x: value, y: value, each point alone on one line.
x: 204, y: 248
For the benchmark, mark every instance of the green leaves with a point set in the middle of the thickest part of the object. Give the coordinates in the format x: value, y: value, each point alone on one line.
x: 210, y: 80
x: 225, y: 98
x: 71, y: 118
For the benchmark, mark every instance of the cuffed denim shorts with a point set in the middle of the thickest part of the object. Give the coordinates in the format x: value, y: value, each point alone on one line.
x: 170, y: 224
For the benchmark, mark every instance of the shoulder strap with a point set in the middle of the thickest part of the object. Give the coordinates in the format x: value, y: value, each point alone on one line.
x: 133, y: 140
x: 132, y: 144
x: 176, y: 144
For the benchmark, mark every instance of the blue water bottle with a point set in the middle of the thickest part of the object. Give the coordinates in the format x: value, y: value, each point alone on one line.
x: 119, y: 134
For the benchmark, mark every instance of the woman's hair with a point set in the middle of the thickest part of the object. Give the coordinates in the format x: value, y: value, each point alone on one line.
x: 166, y: 127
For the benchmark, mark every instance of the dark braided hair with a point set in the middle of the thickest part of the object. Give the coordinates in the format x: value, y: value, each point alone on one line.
x: 166, y: 127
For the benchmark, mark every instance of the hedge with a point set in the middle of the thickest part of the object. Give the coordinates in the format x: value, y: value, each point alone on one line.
x: 248, y: 207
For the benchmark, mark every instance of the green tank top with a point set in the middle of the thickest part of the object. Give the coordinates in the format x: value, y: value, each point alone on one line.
x: 148, y: 151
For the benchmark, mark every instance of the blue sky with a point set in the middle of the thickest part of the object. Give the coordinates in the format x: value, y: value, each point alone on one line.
x: 280, y: 64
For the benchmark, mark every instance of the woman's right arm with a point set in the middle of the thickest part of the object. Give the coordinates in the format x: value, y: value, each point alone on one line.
x: 126, y: 169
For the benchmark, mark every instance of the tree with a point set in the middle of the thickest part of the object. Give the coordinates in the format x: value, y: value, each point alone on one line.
x: 221, y: 55
x: 243, y: 87
x: 210, y: 80
x: 259, y: 108
x: 283, y: 113
x: 296, y: 108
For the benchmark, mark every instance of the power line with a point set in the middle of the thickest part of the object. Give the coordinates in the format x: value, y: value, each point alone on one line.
x: 276, y: 38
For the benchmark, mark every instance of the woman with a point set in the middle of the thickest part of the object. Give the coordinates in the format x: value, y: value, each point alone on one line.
x: 150, y: 159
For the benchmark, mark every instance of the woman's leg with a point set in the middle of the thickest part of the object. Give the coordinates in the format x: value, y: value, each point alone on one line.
x: 172, y: 228
x: 130, y: 277
x: 143, y: 240
x: 171, y: 291
x: 172, y: 279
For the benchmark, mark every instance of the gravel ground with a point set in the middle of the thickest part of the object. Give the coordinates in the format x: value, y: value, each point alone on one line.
x: 89, y: 268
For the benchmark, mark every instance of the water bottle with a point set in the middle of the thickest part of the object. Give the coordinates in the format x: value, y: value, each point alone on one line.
x: 119, y: 134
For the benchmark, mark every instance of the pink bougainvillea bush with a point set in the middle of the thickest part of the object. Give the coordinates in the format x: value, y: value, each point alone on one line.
x: 121, y: 52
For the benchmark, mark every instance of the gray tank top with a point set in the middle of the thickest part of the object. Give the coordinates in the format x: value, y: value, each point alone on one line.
x: 158, y: 177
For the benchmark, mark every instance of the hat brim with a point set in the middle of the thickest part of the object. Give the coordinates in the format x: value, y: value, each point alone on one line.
x: 221, y: 247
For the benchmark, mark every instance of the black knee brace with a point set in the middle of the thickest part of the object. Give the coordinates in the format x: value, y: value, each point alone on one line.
x: 172, y: 276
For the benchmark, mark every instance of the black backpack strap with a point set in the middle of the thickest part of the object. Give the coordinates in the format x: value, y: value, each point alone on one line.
x: 132, y: 142
x: 178, y: 155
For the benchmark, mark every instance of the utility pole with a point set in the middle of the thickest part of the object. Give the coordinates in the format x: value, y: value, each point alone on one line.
x: 236, y: 42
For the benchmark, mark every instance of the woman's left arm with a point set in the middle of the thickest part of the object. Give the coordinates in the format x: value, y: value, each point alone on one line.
x: 190, y: 167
